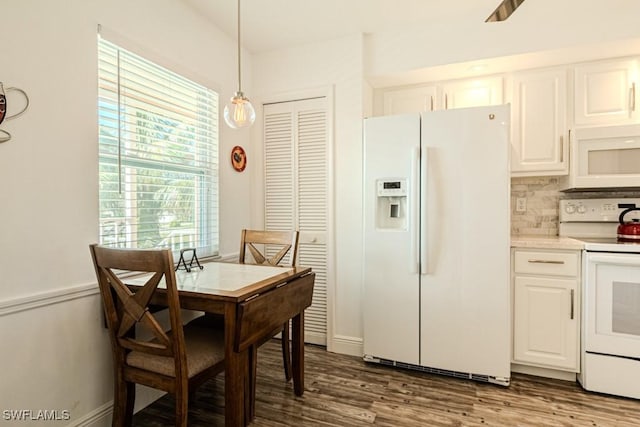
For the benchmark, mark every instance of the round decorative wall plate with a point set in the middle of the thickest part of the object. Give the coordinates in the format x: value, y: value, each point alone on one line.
x: 238, y: 158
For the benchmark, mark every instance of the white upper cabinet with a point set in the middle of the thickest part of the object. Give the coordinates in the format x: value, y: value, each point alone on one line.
x: 606, y: 93
x: 474, y: 92
x: 411, y: 100
x: 539, y: 134
x: 545, y: 104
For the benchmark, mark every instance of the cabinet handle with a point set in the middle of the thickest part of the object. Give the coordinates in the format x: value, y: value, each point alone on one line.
x: 446, y: 102
x: 572, y: 292
x: 431, y: 102
x: 561, y: 148
x: 632, y: 97
x: 544, y: 261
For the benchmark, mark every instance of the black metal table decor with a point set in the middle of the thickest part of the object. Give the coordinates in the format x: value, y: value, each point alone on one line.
x: 183, y: 262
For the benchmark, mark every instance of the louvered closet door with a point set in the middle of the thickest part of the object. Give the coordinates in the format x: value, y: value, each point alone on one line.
x: 296, y: 182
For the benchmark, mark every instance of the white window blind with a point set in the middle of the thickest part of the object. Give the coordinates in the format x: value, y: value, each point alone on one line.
x: 158, y: 155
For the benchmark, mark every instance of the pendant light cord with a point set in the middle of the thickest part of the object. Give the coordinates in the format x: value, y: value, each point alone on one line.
x: 239, y: 77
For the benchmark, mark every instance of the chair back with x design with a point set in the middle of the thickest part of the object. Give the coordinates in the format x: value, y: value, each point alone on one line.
x: 125, y: 309
x: 284, y: 240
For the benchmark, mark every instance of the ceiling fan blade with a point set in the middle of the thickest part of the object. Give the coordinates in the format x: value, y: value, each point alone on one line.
x: 504, y: 10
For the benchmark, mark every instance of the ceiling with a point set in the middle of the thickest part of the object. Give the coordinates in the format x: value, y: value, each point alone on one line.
x: 274, y: 24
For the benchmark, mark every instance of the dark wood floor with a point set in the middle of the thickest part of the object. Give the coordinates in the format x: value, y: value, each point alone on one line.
x: 344, y: 391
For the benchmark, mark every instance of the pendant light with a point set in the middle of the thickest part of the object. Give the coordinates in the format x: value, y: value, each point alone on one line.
x: 239, y: 112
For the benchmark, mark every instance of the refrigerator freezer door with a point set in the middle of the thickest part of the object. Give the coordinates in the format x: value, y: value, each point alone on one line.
x: 391, y: 258
x: 465, y: 309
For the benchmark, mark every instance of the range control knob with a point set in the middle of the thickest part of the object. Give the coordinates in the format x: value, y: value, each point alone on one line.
x: 569, y: 209
x: 581, y: 209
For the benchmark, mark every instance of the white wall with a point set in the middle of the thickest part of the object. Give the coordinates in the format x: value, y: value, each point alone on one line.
x: 55, y: 351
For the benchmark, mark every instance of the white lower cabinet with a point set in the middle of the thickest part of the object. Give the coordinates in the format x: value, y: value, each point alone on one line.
x: 546, y: 309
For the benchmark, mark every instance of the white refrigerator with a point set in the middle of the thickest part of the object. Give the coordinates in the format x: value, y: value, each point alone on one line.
x: 437, y: 242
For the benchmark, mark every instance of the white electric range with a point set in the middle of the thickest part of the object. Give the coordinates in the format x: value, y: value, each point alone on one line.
x: 610, y: 349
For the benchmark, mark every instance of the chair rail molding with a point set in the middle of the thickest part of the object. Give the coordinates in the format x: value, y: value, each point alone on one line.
x: 41, y: 299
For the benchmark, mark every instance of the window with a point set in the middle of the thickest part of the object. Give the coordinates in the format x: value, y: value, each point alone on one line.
x: 158, y: 155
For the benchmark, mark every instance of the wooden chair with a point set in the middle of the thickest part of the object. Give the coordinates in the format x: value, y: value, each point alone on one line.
x: 285, y: 241
x: 176, y: 361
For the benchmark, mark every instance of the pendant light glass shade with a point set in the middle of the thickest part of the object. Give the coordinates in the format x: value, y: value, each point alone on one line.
x: 239, y: 112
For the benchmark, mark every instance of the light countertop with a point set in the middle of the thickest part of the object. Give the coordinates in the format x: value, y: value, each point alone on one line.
x: 546, y: 242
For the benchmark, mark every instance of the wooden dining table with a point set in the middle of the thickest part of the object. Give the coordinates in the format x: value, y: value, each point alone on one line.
x: 252, y: 299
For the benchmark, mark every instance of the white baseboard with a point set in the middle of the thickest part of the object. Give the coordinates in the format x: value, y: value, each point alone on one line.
x: 342, y: 344
x: 99, y: 417
x: 543, y: 372
x: 316, y: 338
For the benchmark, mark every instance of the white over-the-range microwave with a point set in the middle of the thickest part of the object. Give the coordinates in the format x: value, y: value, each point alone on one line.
x: 604, y: 157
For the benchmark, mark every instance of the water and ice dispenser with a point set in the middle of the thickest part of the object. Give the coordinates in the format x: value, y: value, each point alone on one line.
x: 391, y: 205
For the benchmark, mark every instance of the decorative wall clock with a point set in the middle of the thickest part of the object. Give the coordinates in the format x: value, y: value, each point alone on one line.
x: 4, y: 135
x: 238, y: 158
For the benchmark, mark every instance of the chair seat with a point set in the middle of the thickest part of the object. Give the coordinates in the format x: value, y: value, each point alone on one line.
x: 204, y: 348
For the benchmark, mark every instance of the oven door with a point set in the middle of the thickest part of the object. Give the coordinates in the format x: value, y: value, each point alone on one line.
x: 606, y: 157
x: 612, y: 304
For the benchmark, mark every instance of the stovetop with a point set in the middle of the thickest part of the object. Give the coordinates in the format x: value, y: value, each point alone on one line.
x: 609, y: 245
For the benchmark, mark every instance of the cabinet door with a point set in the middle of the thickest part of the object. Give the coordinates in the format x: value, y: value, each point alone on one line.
x: 411, y: 100
x: 539, y: 124
x: 472, y: 93
x: 605, y: 92
x: 545, y: 322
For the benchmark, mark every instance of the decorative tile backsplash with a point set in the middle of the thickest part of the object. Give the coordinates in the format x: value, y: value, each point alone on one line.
x: 542, y: 195
x: 541, y: 215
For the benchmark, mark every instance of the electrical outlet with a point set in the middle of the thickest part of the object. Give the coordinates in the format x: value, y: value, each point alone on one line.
x: 521, y: 204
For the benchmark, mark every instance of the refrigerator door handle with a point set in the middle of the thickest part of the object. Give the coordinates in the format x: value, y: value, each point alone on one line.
x: 414, y: 203
x: 424, y: 204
